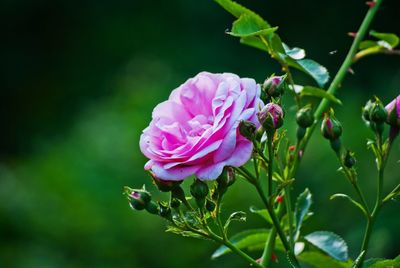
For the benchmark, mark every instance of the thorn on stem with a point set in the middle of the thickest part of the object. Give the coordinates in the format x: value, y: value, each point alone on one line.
x: 371, y: 4
x: 352, y: 34
x: 351, y: 71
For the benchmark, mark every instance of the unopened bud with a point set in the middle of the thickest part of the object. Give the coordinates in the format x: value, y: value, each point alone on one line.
x: 331, y: 128
x: 164, y: 185
x: 305, y: 117
x: 393, y: 109
x: 349, y: 160
x: 274, y: 86
x: 378, y: 113
x: 164, y: 210
x: 271, y: 116
x: 199, y: 189
x: 138, y: 198
x: 247, y: 129
x: 152, y: 208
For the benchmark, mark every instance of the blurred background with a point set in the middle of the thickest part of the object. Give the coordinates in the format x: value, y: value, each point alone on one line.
x: 79, y: 80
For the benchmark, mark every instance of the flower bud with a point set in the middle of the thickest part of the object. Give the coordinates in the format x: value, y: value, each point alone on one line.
x: 199, y: 189
x: 378, y: 113
x: 210, y: 205
x: 366, y: 110
x: 271, y: 116
x: 274, y: 86
x: 152, y: 208
x: 331, y: 128
x: 393, y: 109
x: 139, y: 198
x: 163, y: 185
x: 348, y: 159
x: 305, y: 117
x: 226, y: 179
x: 164, y: 210
x: 247, y: 129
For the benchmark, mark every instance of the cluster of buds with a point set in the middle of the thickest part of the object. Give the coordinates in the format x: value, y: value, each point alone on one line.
x: 304, y: 119
x: 140, y: 199
x: 332, y: 129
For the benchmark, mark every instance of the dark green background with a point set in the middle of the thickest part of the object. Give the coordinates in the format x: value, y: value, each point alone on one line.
x: 78, y: 82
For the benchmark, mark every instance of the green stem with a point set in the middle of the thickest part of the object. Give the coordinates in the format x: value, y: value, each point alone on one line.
x: 288, y: 204
x: 270, y: 244
x: 235, y: 249
x: 271, y: 160
x: 335, y: 84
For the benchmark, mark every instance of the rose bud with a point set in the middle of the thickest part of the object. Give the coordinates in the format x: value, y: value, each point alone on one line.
x: 366, y: 110
x: 164, y: 210
x: 247, y: 129
x: 331, y: 128
x: 349, y: 160
x: 393, y: 109
x: 226, y: 179
x: 271, y: 116
x: 152, y: 208
x: 164, y: 185
x: 305, y: 117
x: 274, y: 86
x: 138, y: 198
x: 199, y: 189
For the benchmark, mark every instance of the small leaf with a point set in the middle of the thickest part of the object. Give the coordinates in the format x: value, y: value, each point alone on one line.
x: 310, y: 67
x: 295, y: 53
x: 382, y: 263
x: 235, y: 216
x: 317, y: 92
x: 330, y: 243
x: 358, y: 205
x: 317, y: 260
x: 238, y: 10
x: 367, y: 44
x: 389, y: 38
x: 247, y: 25
x: 263, y: 213
x: 303, y: 205
x: 244, y: 240
x: 253, y: 41
x: 184, y: 233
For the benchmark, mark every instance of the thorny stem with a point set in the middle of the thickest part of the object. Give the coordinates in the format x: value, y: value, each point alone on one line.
x: 335, y: 84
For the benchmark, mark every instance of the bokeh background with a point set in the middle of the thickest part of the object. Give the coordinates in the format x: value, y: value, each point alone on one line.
x: 78, y: 82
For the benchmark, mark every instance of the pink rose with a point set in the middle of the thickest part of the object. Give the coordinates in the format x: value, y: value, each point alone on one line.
x: 195, y: 132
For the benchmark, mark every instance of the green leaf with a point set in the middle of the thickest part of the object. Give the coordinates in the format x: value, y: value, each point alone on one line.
x: 244, y: 240
x: 367, y: 44
x: 253, y: 41
x: 389, y: 38
x: 263, y: 213
x: 382, y: 263
x: 318, y: 72
x: 303, y: 205
x: 317, y: 92
x: 235, y: 216
x: 184, y: 233
x: 295, y: 53
x: 238, y: 10
x: 330, y: 243
x: 247, y: 25
x: 358, y: 205
x: 317, y: 260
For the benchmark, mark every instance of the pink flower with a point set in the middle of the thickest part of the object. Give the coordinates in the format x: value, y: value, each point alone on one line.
x: 195, y: 132
x: 393, y: 109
